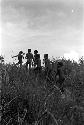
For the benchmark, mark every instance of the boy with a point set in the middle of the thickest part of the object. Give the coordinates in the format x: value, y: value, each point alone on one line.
x: 60, y: 75
x: 35, y: 58
x: 29, y: 57
x: 48, y: 66
x: 38, y: 64
x: 20, y: 57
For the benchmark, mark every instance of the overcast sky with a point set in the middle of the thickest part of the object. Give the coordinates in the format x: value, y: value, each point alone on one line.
x: 55, y: 27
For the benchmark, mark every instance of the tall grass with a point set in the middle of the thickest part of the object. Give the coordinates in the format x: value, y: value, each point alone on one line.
x: 25, y: 96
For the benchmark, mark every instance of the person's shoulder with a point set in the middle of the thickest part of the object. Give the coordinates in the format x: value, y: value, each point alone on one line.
x: 31, y: 54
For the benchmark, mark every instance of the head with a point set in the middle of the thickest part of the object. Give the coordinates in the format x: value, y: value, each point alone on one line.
x: 45, y: 56
x: 20, y: 52
x: 60, y: 64
x: 29, y: 50
x: 35, y: 51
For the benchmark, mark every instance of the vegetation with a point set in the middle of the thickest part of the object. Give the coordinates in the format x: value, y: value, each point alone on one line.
x: 30, y: 99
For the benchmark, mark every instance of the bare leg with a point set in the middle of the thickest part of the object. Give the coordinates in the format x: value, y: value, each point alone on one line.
x: 26, y: 66
x: 20, y: 65
x: 29, y: 65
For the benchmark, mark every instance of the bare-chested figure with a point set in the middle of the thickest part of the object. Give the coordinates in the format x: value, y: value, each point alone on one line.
x: 38, y: 64
x: 48, y: 66
x: 29, y: 57
x: 60, y: 76
x: 20, y: 57
x: 35, y: 58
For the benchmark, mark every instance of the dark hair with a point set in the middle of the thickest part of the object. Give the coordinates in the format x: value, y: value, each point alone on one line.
x: 59, y: 64
x: 45, y: 56
x: 29, y: 50
x: 20, y: 52
x: 35, y: 51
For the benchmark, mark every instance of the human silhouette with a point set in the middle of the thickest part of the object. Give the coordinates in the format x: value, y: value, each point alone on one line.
x: 48, y: 66
x: 60, y: 75
x: 20, y: 57
x: 35, y: 58
x: 29, y: 57
x: 38, y: 64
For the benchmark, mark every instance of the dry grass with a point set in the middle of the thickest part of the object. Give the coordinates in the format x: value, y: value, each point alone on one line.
x: 25, y: 98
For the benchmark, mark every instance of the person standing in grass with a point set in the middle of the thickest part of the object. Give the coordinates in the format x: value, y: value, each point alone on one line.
x: 60, y: 76
x: 38, y: 64
x: 35, y: 58
x: 20, y: 57
x: 48, y: 65
x: 29, y: 57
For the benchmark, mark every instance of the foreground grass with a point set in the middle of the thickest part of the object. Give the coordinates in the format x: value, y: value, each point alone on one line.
x: 26, y: 98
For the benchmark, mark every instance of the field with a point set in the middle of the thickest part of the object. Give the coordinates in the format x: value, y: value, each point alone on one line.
x: 30, y: 99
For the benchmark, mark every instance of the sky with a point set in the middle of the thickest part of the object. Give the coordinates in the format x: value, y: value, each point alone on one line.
x: 55, y: 27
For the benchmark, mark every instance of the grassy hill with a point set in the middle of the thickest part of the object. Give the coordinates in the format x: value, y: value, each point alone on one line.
x: 27, y: 97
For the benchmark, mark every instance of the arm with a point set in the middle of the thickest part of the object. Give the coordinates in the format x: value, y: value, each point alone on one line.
x: 15, y: 56
x: 26, y: 56
x: 23, y: 57
x: 43, y: 61
x: 58, y: 72
x: 32, y: 57
x: 23, y: 53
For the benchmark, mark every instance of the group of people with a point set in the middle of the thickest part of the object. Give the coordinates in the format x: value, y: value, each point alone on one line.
x: 35, y: 61
x: 32, y: 60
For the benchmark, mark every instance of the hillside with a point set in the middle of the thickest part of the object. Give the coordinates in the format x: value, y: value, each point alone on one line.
x: 27, y: 97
